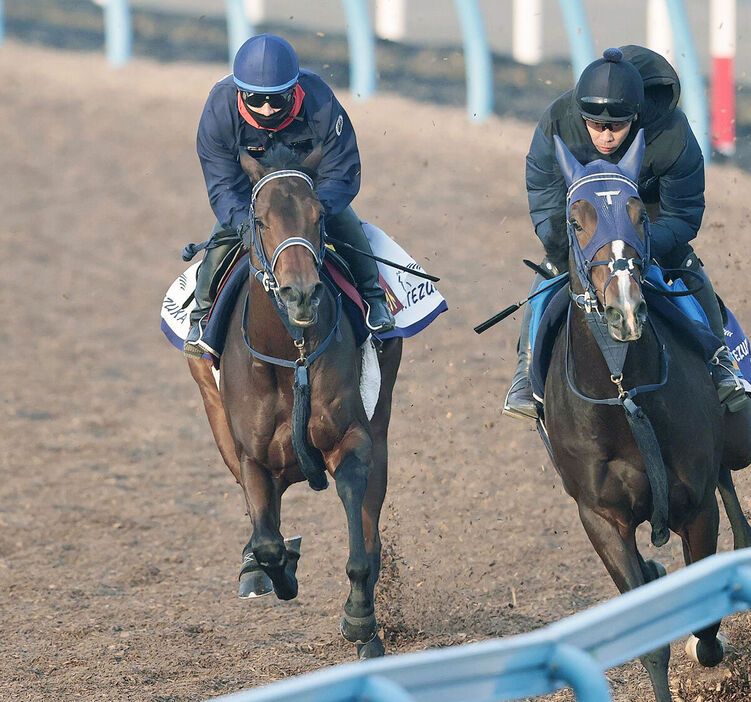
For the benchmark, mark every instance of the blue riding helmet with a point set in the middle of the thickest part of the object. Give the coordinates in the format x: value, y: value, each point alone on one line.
x: 265, y: 64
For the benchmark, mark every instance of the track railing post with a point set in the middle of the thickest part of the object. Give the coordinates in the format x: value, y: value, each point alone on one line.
x: 477, y: 60
x: 361, y: 41
x: 118, y: 31
x: 579, y: 670
x: 239, y: 28
x: 2, y: 22
x: 692, y: 84
x: 579, y: 35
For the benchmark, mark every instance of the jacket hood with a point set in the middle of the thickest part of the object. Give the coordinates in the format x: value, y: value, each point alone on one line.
x: 662, y: 88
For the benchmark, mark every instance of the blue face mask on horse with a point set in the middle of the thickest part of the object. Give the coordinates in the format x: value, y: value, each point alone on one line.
x: 612, y: 192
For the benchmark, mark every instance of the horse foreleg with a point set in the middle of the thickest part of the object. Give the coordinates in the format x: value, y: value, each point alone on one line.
x: 699, y: 541
x: 263, y: 497
x: 200, y: 369
x: 736, y: 517
x: 359, y: 622
x: 617, y: 549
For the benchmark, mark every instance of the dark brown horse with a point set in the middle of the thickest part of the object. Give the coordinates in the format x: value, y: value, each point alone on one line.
x: 289, y: 386
x: 613, y: 364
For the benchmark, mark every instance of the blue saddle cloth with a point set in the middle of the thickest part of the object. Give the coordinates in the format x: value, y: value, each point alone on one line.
x: 682, y: 314
x: 215, y: 333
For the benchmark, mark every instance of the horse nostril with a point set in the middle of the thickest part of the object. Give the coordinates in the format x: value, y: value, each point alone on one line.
x: 289, y: 294
x: 613, y: 316
x: 317, y: 293
x: 641, y: 311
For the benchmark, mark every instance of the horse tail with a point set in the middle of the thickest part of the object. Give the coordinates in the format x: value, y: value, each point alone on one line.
x: 310, y: 458
x: 649, y: 447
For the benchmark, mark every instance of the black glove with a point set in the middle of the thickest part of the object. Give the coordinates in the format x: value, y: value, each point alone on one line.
x: 244, y: 231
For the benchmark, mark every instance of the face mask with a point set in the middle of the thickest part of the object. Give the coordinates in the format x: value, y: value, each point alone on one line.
x: 274, y: 120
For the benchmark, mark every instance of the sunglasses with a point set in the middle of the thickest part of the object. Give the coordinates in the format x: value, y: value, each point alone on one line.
x: 276, y: 100
x: 616, y: 108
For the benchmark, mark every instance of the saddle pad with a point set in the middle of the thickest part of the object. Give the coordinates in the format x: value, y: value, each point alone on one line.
x: 683, y: 315
x: 415, y: 302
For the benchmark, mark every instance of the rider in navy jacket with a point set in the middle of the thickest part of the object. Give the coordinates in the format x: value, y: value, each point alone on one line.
x: 628, y: 89
x: 224, y: 130
x: 265, y: 100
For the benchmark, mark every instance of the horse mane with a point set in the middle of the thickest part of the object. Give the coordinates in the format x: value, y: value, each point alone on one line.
x: 279, y: 157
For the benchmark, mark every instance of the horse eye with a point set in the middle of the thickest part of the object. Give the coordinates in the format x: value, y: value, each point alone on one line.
x: 577, y: 227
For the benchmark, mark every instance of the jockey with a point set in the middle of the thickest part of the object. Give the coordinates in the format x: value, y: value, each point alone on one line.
x: 268, y: 99
x: 628, y: 89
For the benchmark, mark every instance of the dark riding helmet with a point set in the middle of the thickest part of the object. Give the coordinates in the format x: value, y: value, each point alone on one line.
x: 265, y: 64
x: 610, y: 89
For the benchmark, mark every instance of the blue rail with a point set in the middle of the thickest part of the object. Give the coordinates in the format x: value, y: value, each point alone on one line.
x: 579, y: 35
x: 361, y: 41
x: 574, y: 652
x: 692, y: 85
x: 477, y: 60
x: 239, y: 28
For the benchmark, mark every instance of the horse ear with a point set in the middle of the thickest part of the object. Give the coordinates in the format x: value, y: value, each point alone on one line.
x: 570, y: 167
x: 630, y: 164
x: 251, y: 166
x: 313, y: 159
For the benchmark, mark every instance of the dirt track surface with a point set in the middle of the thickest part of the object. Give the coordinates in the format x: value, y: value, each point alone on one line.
x: 121, y: 529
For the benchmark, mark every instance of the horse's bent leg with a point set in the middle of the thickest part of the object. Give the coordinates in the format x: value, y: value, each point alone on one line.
x: 359, y: 622
x: 200, y: 369
x: 617, y: 549
x: 699, y: 541
x: 736, y: 517
x: 263, y: 496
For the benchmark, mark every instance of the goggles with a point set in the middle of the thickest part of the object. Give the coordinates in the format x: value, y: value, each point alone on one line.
x: 617, y: 110
x: 276, y: 100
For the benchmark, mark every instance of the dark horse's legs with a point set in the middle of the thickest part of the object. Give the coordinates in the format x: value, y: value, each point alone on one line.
x: 738, y: 521
x: 617, y: 549
x: 359, y: 622
x: 267, y: 543
x: 699, y: 541
x: 389, y: 357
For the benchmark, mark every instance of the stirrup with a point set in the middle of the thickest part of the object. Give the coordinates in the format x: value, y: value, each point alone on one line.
x: 385, y: 326
x: 731, y: 396
x: 520, y: 411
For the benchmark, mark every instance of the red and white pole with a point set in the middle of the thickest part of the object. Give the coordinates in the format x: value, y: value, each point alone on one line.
x: 722, y: 38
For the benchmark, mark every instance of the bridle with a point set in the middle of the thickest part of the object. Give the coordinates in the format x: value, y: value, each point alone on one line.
x: 618, y: 191
x: 265, y: 274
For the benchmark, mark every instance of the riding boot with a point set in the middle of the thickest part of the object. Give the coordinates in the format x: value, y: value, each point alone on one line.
x: 519, y: 402
x: 729, y: 387
x: 347, y: 227
x: 220, y: 244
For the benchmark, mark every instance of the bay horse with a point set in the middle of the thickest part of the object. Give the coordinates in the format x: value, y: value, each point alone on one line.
x: 289, y: 406
x: 631, y: 416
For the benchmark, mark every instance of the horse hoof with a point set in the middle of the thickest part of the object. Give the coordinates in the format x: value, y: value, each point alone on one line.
x: 706, y: 654
x: 372, y: 649
x: 359, y: 630
x: 654, y: 570
x: 254, y: 583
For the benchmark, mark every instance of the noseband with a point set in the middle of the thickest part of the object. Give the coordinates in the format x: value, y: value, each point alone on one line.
x: 611, y: 226
x: 266, y: 274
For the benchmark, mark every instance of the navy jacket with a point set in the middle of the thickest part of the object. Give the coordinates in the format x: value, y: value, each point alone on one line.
x: 672, y: 171
x: 222, y: 132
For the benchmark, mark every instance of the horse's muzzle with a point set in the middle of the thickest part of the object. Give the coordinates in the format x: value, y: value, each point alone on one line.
x: 302, y: 304
x: 626, y: 322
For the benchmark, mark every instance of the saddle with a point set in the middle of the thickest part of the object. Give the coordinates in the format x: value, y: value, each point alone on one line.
x: 683, y: 315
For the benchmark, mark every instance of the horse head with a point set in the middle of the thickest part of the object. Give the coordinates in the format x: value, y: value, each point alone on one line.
x: 286, y: 219
x: 608, y: 237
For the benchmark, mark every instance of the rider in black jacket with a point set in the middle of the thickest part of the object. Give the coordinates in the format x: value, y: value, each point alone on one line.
x: 268, y: 99
x: 628, y: 89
